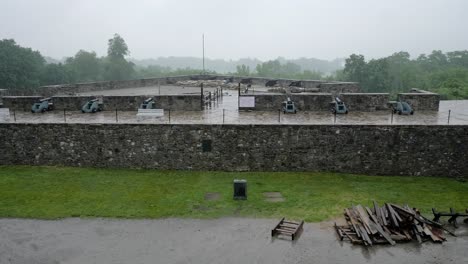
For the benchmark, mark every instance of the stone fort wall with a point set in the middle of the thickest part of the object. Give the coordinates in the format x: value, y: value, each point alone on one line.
x: 421, y: 100
x: 70, y: 89
x: 122, y: 103
x: 364, y: 149
x: 303, y: 101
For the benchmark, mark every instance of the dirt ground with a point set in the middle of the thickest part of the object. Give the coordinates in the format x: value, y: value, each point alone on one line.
x: 225, y: 240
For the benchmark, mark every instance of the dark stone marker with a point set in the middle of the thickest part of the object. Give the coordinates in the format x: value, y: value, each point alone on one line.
x: 240, y: 190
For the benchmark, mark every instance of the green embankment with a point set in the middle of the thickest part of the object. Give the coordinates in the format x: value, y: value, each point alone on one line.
x: 57, y: 192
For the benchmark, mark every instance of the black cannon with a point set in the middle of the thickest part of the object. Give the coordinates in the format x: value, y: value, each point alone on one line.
x: 295, y: 84
x: 271, y: 83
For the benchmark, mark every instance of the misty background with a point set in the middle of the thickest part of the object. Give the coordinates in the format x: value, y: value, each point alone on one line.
x: 384, y: 45
x: 238, y: 29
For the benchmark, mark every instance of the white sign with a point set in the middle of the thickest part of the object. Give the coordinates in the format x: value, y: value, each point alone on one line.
x: 149, y: 113
x: 4, y: 114
x: 247, y: 101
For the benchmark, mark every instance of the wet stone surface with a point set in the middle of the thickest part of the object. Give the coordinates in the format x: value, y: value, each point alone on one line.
x: 225, y: 240
x: 225, y: 111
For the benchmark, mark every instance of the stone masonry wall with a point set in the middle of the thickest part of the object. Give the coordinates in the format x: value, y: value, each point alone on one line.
x: 421, y: 100
x: 303, y: 101
x: 364, y: 149
x: 71, y: 103
x: 336, y: 88
x: 122, y: 103
x: 179, y: 102
x: 70, y: 89
x: 22, y: 103
x: 366, y: 102
x: 3, y: 92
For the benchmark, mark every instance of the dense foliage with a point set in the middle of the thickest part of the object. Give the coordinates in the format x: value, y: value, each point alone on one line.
x: 279, y: 69
x: 446, y: 73
x: 19, y: 67
x: 23, y: 68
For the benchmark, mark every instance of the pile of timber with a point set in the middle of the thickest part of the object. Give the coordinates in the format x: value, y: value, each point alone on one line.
x: 387, y: 225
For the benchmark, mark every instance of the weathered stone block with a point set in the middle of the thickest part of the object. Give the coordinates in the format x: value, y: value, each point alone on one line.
x: 21, y: 103
x: 421, y: 100
x: 366, y: 102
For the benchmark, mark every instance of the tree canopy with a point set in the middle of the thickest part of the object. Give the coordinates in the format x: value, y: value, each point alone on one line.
x: 117, y: 48
x: 19, y: 67
x: 445, y: 73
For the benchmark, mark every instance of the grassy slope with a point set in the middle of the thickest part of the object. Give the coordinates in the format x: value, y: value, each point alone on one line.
x: 55, y: 192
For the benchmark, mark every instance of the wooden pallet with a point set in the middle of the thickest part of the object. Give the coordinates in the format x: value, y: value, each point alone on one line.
x: 346, y: 232
x: 453, y: 216
x: 287, y: 228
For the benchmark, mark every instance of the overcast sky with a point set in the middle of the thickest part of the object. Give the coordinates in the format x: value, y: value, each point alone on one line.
x: 324, y: 29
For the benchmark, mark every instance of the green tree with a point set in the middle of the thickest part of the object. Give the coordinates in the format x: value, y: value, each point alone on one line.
x: 269, y: 69
x: 117, y: 48
x: 355, y: 67
x: 276, y: 69
x: 20, y: 67
x: 310, y: 75
x: 453, y: 89
x: 242, y: 70
x: 116, y: 67
x: 57, y: 74
x: 458, y: 58
x: 438, y: 59
x: 376, y: 76
x: 86, y: 66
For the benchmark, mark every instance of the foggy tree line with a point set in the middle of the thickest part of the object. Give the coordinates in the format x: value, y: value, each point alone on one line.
x: 446, y: 73
x: 24, y: 68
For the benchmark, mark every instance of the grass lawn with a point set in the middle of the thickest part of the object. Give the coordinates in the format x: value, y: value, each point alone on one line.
x: 56, y: 192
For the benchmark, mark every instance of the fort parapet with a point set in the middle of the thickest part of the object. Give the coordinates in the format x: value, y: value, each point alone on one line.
x: 363, y: 149
x: 421, y: 100
x: 317, y: 96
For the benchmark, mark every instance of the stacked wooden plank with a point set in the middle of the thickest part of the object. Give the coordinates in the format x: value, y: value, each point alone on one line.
x: 387, y: 225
